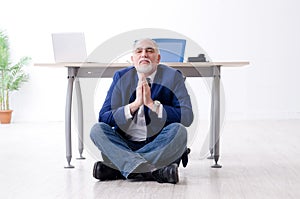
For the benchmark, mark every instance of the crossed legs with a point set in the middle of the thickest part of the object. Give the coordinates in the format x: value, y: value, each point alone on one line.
x: 166, y: 148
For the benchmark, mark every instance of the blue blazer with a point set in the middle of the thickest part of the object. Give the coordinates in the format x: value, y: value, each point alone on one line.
x: 168, y: 87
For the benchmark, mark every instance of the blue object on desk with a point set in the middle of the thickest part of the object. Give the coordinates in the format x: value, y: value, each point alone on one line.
x: 171, y: 50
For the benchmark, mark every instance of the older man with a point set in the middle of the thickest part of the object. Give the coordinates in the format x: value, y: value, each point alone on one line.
x: 142, y: 122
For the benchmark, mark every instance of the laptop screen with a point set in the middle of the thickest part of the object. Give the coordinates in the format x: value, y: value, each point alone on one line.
x: 69, y: 47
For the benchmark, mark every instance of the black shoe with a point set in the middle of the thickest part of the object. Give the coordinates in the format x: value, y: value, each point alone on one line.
x: 184, y: 158
x: 103, y: 172
x: 168, y: 174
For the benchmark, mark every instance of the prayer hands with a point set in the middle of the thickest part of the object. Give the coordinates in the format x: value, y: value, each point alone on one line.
x: 143, y: 96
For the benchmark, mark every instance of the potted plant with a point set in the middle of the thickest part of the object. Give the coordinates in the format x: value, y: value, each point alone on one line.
x: 11, y: 77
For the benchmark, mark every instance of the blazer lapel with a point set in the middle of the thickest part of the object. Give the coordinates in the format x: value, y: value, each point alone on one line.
x: 133, y: 85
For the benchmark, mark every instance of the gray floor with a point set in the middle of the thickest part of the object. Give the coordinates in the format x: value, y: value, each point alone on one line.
x: 261, y: 159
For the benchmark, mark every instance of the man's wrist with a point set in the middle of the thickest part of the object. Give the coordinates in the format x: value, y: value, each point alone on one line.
x: 127, y: 112
x: 150, y: 105
x: 133, y: 107
x: 155, y: 106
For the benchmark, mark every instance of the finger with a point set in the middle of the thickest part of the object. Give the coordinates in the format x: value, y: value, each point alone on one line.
x: 141, y: 82
x: 146, y: 90
x: 145, y: 83
x: 142, y: 76
x: 142, y: 79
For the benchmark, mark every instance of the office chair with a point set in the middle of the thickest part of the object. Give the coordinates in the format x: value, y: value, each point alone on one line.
x: 171, y: 50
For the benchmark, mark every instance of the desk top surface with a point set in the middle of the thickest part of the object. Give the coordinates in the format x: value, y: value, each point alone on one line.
x: 171, y: 64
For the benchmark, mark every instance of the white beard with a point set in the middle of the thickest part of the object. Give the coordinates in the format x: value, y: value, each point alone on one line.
x: 145, y: 69
x: 142, y: 68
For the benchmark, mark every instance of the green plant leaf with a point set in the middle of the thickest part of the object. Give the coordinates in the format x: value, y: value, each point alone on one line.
x: 12, y: 76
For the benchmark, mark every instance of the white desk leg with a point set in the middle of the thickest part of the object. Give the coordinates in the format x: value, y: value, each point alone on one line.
x: 80, y: 118
x: 71, y: 77
x: 216, y: 115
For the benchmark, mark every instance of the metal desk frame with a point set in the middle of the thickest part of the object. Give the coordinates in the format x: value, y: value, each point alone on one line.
x: 103, y: 70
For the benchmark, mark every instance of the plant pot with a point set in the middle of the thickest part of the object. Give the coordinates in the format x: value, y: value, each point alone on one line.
x: 5, y: 116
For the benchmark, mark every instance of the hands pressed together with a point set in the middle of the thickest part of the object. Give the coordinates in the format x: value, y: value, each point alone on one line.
x: 143, y: 96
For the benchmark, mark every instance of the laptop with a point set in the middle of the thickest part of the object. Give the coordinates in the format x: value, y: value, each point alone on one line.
x: 69, y: 47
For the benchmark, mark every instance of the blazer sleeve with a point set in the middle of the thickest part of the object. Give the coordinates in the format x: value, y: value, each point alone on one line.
x: 181, y: 108
x: 112, y: 111
x: 176, y: 103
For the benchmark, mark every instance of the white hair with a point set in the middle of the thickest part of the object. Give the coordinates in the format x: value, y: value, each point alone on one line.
x: 146, y: 39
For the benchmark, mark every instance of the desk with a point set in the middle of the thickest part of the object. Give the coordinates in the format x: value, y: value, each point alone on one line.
x: 96, y: 70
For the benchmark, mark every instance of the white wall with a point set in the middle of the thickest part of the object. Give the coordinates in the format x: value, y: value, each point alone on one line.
x: 266, y: 33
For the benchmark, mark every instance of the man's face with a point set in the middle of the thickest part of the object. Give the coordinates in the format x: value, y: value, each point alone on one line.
x: 145, y: 57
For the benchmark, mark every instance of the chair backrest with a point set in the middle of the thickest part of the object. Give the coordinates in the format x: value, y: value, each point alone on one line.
x: 171, y: 50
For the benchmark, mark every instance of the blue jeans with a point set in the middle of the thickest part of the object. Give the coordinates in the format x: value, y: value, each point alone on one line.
x: 127, y: 155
